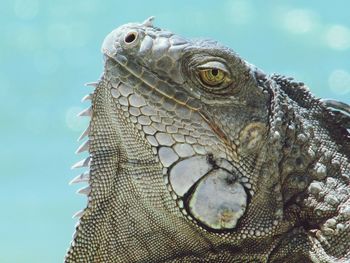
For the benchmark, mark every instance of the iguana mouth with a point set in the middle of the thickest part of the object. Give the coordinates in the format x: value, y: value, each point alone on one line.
x: 141, y: 76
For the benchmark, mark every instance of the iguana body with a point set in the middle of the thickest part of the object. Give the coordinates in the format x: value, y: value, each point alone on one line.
x: 197, y: 156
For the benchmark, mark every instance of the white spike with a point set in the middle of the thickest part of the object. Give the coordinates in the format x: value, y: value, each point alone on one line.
x: 148, y: 22
x: 84, y: 134
x: 82, y: 163
x: 81, y: 178
x: 92, y: 84
x: 84, y: 191
x: 86, y: 97
x: 78, y: 214
x: 86, y: 112
x: 84, y: 147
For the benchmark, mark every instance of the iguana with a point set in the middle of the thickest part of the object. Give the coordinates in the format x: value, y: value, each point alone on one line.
x: 196, y: 155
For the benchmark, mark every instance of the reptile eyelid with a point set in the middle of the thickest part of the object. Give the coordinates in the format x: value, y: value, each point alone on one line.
x: 216, y: 65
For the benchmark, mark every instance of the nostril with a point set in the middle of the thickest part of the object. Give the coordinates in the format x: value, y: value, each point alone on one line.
x: 130, y: 37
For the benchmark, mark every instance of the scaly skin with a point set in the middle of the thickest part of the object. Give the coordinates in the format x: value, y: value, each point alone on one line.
x: 254, y: 169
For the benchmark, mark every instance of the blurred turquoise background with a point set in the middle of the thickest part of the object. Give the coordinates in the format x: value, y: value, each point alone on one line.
x: 49, y: 49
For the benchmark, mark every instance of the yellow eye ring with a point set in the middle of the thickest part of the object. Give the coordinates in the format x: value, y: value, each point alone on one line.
x: 212, y: 76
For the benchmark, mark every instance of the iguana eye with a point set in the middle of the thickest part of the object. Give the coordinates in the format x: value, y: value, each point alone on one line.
x: 214, y: 74
x: 212, y: 77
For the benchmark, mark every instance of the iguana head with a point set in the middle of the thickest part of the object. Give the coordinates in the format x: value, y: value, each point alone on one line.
x: 185, y: 144
x: 198, y: 105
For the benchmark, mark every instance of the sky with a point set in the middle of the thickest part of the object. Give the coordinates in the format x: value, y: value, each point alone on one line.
x: 49, y: 49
